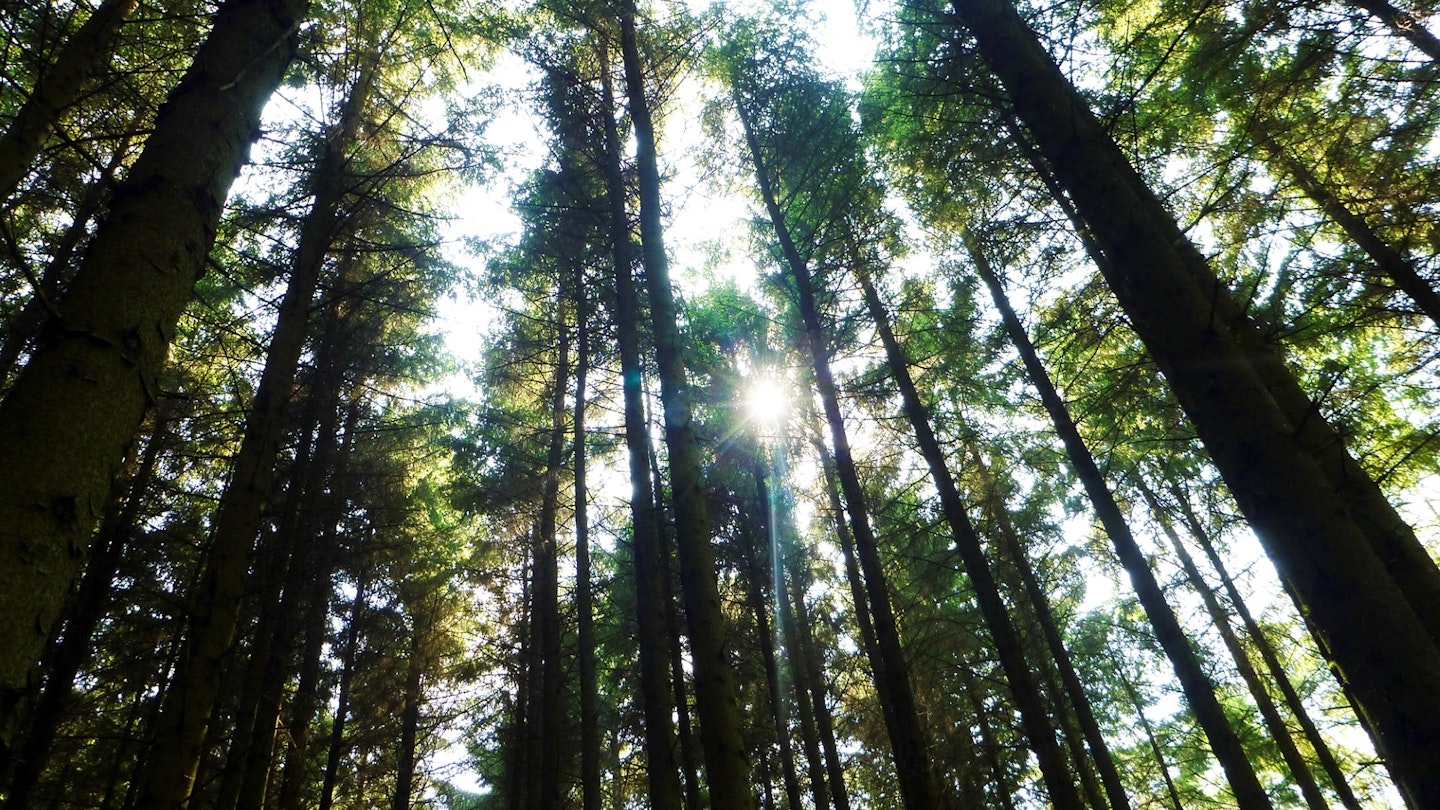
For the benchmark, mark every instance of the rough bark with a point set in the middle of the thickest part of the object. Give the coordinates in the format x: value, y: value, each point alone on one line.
x: 1349, y: 558
x: 84, y: 613
x: 76, y: 406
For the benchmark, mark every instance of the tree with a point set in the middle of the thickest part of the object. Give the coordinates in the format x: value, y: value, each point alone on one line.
x: 1248, y: 410
x: 90, y: 380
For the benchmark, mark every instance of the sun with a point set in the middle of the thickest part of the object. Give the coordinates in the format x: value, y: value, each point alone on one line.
x: 767, y: 401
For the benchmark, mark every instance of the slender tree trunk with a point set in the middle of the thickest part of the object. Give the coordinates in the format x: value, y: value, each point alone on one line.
x: 892, y: 678
x: 57, y: 89
x: 93, y: 373
x: 796, y: 651
x: 1054, y: 640
x: 1034, y: 717
x: 409, y: 721
x: 1276, y: 669
x: 1393, y: 264
x: 809, y: 656
x: 551, y: 788
x: 1269, y: 712
x: 1155, y: 747
x: 858, y: 587
x: 590, y: 785
x: 655, y: 694
x: 916, y: 779
x: 1196, y: 685
x: 756, y: 596
x: 726, y: 761
x: 1349, y: 558
x: 684, y: 728
x: 22, y: 328
x: 336, y: 749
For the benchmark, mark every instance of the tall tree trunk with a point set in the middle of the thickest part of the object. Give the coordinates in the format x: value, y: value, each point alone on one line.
x: 22, y: 328
x: 674, y: 630
x: 859, y: 597
x: 755, y: 593
x: 216, y: 604
x: 1261, y: 642
x: 809, y: 657
x: 1054, y: 639
x: 1199, y: 691
x: 585, y: 619
x: 87, y: 607
x: 1155, y: 747
x: 1269, y: 712
x: 93, y: 373
x: 549, y: 792
x: 726, y: 761
x: 1033, y: 714
x: 409, y: 719
x: 916, y: 778
x: 336, y: 748
x: 662, y: 774
x: 795, y: 649
x: 57, y: 89
x: 892, y: 677
x: 1349, y: 558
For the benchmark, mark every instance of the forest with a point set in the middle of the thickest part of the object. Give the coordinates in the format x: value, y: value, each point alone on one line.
x: 605, y: 404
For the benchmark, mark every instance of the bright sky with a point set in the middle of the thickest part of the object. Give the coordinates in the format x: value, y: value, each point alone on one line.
x: 700, y: 214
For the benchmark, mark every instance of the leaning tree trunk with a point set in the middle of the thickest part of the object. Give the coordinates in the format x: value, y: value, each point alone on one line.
x: 726, y: 760
x: 1196, y: 685
x: 1348, y: 557
x: 1054, y: 640
x: 1273, y: 665
x: 891, y: 670
x: 84, y: 613
x: 66, y: 422
x: 1399, y: 268
x: 1402, y: 24
x: 1269, y: 712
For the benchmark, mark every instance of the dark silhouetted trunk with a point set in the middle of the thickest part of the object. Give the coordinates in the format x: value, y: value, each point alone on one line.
x: 1348, y: 558
x: 662, y: 773
x: 726, y: 760
x: 1194, y: 682
x: 93, y: 373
